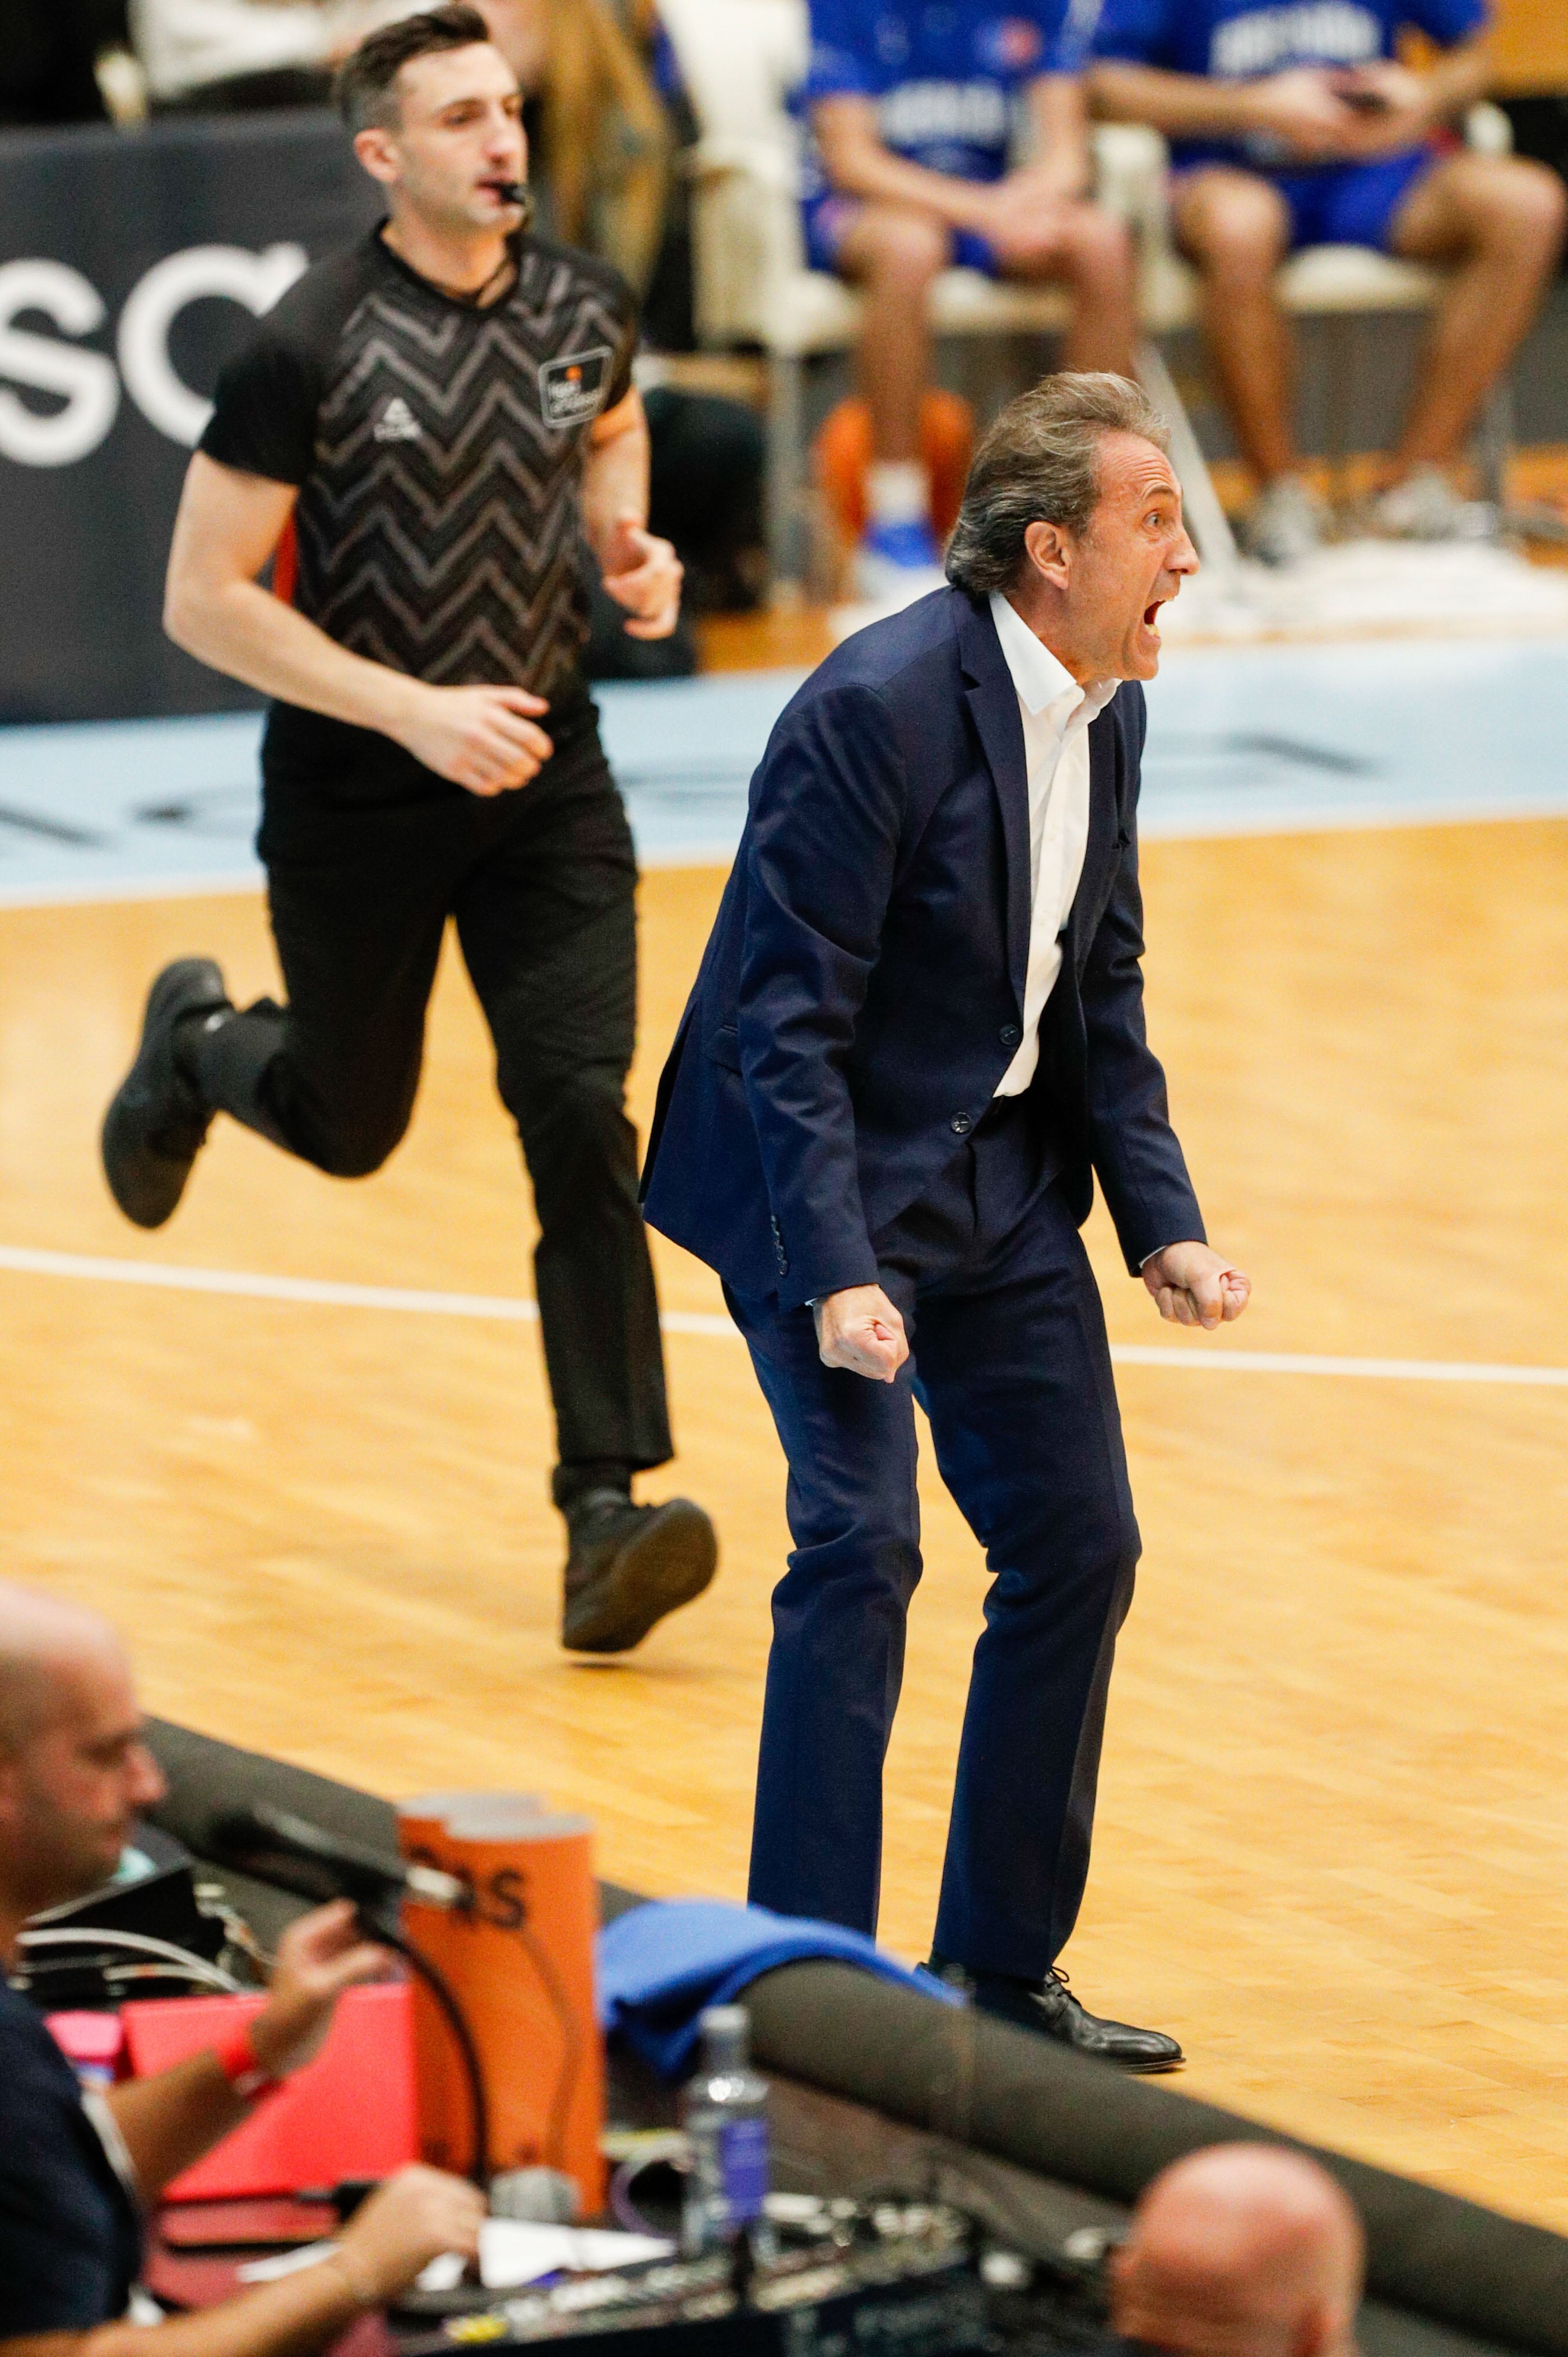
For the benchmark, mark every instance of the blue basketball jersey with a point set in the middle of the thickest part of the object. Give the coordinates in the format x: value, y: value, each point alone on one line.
x: 1242, y: 41
x: 944, y: 75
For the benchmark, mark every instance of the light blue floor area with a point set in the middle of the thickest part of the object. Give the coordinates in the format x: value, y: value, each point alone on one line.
x: 1275, y: 740
x: 1241, y: 741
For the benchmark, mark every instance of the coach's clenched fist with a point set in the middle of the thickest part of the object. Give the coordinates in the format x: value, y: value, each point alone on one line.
x: 860, y: 1330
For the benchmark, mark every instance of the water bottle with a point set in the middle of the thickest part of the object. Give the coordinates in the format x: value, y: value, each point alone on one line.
x: 726, y: 2119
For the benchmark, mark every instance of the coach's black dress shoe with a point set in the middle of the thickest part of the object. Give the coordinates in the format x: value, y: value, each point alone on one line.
x: 1050, y: 2008
x: 156, y: 1122
x: 629, y: 1566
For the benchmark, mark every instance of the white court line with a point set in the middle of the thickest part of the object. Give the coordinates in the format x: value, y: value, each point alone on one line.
x: 516, y: 1307
x: 24, y: 1261
x: 1291, y: 1362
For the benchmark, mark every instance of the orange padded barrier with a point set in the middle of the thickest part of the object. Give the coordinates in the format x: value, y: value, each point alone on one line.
x: 520, y: 1961
x: 842, y: 452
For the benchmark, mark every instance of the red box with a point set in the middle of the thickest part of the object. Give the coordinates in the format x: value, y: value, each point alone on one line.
x: 351, y: 2113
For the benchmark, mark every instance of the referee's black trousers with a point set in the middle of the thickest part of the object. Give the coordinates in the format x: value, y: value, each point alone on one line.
x: 366, y: 859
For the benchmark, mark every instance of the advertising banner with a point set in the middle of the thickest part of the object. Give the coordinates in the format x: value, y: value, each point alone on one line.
x: 131, y: 264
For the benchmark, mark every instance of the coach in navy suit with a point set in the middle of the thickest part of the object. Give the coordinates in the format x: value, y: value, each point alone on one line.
x: 916, y: 1034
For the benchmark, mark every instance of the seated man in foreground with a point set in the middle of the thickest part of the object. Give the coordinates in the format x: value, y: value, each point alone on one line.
x: 1294, y: 126
x: 77, y: 2174
x: 1242, y: 2250
x: 913, y: 111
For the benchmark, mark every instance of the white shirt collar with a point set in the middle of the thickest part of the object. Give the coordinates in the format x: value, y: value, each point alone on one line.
x: 1039, y: 677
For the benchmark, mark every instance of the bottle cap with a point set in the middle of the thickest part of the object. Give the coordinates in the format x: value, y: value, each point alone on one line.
x: 726, y: 2030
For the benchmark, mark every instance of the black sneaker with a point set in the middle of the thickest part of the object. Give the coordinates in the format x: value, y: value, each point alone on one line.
x: 1050, y: 2009
x: 629, y: 1566
x: 156, y: 1123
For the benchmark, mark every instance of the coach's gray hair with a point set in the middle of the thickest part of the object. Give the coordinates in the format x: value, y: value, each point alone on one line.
x: 1040, y: 464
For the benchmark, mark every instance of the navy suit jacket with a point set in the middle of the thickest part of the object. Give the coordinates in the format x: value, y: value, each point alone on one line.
x: 862, y: 993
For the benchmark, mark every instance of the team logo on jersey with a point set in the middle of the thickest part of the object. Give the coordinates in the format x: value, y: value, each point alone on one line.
x: 572, y: 390
x: 1008, y: 44
x: 916, y: 114
x: 1316, y: 32
x: 397, y: 423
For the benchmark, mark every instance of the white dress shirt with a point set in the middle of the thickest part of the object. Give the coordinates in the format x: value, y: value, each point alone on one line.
x: 1055, y: 713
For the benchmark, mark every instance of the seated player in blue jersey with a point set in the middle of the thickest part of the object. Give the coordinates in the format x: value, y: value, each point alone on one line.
x: 915, y: 111
x: 1293, y: 123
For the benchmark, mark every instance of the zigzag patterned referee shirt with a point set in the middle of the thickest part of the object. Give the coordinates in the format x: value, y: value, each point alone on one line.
x: 438, y: 448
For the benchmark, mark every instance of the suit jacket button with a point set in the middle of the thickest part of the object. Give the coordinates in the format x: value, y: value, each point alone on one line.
x: 1010, y: 1035
x: 783, y: 1263
x: 960, y: 1124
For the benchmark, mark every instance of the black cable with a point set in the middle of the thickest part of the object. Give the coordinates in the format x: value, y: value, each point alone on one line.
x: 662, y: 2152
x: 560, y: 2005
x: 320, y: 1866
x: 94, y: 1941
x: 462, y: 2037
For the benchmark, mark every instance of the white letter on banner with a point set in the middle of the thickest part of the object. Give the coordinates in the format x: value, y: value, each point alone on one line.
x: 256, y: 280
x: 86, y: 378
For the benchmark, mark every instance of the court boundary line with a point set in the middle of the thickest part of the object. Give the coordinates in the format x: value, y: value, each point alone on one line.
x: 1347, y: 818
x: 88, y: 892
x: 1335, y: 818
x: 22, y: 1259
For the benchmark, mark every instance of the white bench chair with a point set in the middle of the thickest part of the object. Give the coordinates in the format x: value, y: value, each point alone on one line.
x: 1338, y: 287
x: 741, y: 58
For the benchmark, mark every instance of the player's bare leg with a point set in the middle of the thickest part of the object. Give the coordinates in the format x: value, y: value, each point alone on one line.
x: 1235, y: 227
x: 892, y: 252
x: 1497, y: 222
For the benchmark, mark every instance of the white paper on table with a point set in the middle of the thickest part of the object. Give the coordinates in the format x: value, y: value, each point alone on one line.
x: 442, y: 2274
x: 513, y: 2252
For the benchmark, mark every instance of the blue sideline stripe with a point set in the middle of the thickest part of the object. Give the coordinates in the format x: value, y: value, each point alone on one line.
x: 1261, y: 740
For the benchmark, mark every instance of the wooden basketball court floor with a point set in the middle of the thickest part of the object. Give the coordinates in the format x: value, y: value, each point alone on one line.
x: 1333, y: 1836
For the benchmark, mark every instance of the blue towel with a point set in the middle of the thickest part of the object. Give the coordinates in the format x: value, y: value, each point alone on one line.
x: 662, y: 1964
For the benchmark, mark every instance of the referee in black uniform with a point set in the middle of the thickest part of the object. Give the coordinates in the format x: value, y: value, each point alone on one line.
x: 416, y: 439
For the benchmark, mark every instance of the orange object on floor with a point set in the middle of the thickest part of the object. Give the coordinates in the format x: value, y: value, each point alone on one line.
x: 350, y: 2113
x: 841, y: 453
x: 521, y: 1965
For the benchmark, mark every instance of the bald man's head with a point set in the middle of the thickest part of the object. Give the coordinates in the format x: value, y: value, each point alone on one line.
x: 43, y: 1644
x: 74, y: 1772
x: 1244, y: 2249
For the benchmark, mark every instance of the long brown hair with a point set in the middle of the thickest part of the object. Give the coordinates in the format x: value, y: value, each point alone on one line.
x: 606, y: 140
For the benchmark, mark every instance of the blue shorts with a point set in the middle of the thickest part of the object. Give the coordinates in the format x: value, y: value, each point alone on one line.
x: 1346, y: 204
x: 826, y: 219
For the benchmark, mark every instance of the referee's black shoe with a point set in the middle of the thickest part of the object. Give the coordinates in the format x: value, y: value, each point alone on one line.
x: 1050, y: 2009
x: 629, y: 1566
x: 156, y: 1122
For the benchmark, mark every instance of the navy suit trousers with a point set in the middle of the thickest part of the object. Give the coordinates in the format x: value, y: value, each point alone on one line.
x: 1011, y: 1364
